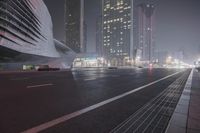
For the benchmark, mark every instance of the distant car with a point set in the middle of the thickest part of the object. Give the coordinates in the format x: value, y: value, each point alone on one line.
x: 47, y: 68
x: 140, y: 67
x: 112, y: 68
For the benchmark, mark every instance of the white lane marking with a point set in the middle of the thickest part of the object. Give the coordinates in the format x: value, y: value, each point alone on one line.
x: 42, y: 85
x: 67, y: 117
x: 16, y: 79
x: 90, y: 79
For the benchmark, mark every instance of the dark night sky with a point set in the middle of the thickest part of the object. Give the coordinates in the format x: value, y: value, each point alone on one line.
x: 177, y: 24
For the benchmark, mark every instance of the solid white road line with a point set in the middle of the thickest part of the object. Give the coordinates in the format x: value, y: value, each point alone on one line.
x: 42, y: 85
x: 67, y: 117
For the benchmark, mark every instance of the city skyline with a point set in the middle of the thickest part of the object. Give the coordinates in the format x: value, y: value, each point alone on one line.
x: 176, y: 29
x: 99, y: 66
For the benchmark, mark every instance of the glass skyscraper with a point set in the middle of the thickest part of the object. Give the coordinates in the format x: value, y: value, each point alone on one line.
x: 75, y: 26
x: 146, y: 30
x: 117, y: 31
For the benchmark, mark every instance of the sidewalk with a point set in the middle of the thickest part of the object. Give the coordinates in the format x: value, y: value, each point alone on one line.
x: 186, y: 117
x: 193, y: 123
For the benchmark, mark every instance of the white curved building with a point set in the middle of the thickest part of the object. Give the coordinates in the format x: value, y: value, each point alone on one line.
x: 26, y: 33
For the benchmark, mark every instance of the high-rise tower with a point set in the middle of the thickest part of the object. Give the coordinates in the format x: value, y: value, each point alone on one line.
x: 99, y: 47
x: 146, y: 30
x: 117, y: 30
x: 75, y: 25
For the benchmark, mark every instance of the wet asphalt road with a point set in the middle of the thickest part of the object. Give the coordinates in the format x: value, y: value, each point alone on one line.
x: 33, y: 98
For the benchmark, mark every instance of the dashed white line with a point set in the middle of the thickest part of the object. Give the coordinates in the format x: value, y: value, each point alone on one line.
x: 17, y: 79
x: 90, y: 79
x: 67, y: 117
x: 36, y: 86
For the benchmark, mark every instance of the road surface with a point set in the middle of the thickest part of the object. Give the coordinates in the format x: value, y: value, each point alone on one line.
x: 86, y: 101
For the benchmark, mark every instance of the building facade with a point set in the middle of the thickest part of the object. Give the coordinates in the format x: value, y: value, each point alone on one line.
x: 117, y: 25
x: 26, y: 34
x: 26, y: 26
x: 75, y: 25
x: 146, y: 31
x: 99, y: 34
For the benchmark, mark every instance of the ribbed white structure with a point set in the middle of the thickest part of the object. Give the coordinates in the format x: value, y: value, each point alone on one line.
x: 26, y: 27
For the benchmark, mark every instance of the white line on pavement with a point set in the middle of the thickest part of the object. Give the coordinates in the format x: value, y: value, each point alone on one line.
x: 42, y: 85
x: 16, y: 79
x: 90, y: 79
x: 67, y: 117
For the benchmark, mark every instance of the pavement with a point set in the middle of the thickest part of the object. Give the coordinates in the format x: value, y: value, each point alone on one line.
x: 193, y: 123
x: 89, y: 101
x: 186, y: 117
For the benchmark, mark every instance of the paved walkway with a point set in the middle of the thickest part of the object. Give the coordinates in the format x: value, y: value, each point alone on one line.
x: 186, y: 117
x: 193, y: 123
